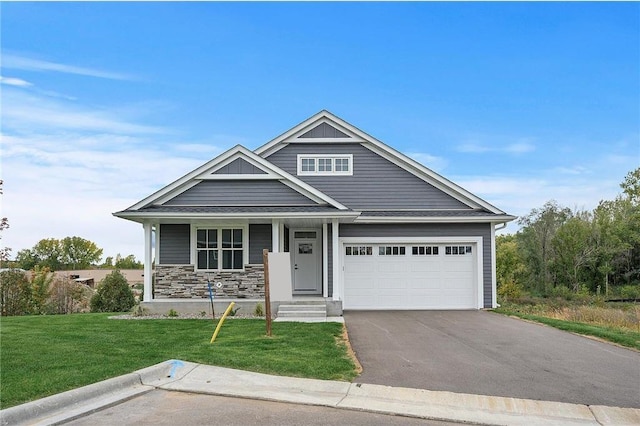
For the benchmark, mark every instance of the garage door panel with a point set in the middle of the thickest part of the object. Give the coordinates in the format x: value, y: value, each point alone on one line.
x: 410, y: 281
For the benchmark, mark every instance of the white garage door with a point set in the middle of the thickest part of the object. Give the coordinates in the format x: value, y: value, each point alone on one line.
x: 410, y: 276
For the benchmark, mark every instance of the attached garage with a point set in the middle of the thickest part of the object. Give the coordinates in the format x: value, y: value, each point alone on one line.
x: 412, y: 275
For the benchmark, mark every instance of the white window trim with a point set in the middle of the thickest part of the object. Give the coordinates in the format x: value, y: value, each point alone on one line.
x: 333, y: 171
x: 219, y: 226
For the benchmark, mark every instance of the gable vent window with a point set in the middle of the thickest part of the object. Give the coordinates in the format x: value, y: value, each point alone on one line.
x: 325, y: 165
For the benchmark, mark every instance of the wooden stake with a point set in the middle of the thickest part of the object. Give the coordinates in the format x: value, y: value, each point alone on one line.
x: 267, y: 297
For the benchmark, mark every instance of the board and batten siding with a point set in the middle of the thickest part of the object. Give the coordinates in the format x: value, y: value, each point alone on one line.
x: 431, y: 230
x: 240, y: 193
x: 376, y: 182
x: 259, y: 239
x: 239, y: 167
x: 175, y: 244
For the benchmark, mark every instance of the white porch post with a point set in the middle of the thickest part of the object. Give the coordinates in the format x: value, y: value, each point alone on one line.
x: 275, y: 236
x: 148, y: 273
x: 494, y: 296
x: 325, y: 261
x: 337, y: 291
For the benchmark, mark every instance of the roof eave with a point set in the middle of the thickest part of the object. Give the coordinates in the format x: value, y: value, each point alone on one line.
x: 437, y: 219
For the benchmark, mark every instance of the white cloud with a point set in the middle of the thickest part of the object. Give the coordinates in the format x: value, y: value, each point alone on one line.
x: 433, y: 162
x: 472, y: 147
x: 483, y: 144
x: 67, y: 167
x: 12, y: 61
x: 520, y: 148
x: 33, y: 112
x: 11, y: 81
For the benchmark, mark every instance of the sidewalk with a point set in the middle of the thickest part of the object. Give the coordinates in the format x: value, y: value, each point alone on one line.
x: 196, y: 378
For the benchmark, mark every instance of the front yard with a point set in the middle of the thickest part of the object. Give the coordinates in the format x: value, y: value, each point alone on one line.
x: 45, y: 355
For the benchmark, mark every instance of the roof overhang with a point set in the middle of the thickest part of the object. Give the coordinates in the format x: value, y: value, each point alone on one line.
x: 495, y: 219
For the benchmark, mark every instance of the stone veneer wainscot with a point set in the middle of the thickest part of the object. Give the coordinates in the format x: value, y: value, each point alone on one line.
x: 184, y: 282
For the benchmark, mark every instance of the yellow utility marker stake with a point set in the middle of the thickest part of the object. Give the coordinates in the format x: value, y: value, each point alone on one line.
x: 215, y: 333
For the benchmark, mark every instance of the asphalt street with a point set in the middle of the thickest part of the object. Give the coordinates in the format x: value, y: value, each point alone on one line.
x: 484, y: 353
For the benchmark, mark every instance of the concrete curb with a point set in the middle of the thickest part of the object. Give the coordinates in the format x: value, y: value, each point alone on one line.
x: 66, y: 406
x: 182, y: 376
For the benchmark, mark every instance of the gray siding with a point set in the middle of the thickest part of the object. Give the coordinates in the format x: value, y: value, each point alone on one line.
x: 376, y: 182
x: 240, y: 193
x: 324, y: 130
x: 175, y: 245
x: 259, y: 239
x: 240, y: 167
x: 433, y: 230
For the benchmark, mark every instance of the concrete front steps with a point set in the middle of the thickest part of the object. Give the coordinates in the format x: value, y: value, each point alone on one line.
x: 305, y: 311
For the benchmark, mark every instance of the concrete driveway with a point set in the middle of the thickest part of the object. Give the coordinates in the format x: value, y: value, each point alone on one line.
x: 485, y: 353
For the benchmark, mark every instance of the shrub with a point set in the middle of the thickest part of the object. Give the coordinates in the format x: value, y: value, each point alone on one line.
x: 68, y: 297
x: 509, y: 291
x: 15, y: 293
x: 172, y: 313
x: 41, y: 279
x: 259, y: 311
x: 630, y: 291
x: 113, y: 294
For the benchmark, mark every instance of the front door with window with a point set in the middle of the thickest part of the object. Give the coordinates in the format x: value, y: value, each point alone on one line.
x: 307, y: 262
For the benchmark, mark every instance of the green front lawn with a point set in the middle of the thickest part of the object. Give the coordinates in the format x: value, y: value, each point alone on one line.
x: 44, y: 355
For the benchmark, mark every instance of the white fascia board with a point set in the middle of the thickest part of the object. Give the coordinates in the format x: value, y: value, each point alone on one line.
x: 194, y: 177
x: 440, y: 219
x: 429, y: 176
x: 290, y: 136
x: 386, y: 152
x: 147, y: 216
x: 175, y: 185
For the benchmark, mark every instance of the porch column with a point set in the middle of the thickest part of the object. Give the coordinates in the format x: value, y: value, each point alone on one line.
x: 275, y: 236
x: 148, y: 272
x: 325, y: 260
x: 337, y: 291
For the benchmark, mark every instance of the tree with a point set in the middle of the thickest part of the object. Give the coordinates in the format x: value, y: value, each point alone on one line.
x: 509, y: 263
x: 113, y: 294
x: 48, y: 253
x: 4, y: 224
x: 539, y: 228
x: 573, y: 250
x: 108, y: 263
x: 128, y: 262
x: 41, y: 280
x: 15, y: 293
x: 78, y: 253
x: 58, y: 255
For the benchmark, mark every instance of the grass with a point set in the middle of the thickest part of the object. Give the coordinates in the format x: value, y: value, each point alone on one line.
x: 617, y: 325
x: 44, y: 355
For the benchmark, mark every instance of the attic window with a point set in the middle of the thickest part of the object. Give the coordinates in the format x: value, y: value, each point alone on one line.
x: 325, y: 165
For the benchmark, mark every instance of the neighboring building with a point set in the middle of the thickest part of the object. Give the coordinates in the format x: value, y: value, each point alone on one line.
x: 92, y: 277
x: 365, y: 226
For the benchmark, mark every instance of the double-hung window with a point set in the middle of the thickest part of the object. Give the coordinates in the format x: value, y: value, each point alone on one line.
x: 220, y: 248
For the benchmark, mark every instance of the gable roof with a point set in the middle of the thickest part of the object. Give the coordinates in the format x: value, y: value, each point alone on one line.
x: 255, y: 167
x: 318, y: 123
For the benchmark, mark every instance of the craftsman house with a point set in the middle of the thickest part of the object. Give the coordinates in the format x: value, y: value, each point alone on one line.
x: 362, y: 225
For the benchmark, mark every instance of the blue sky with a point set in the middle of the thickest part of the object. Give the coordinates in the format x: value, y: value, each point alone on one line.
x: 104, y: 103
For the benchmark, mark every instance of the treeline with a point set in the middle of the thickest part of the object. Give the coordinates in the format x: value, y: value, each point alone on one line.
x: 70, y: 253
x: 562, y: 252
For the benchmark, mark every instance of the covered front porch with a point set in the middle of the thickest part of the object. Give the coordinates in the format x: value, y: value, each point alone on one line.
x: 185, y: 259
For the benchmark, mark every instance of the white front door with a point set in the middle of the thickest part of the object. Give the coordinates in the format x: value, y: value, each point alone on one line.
x: 307, y: 262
